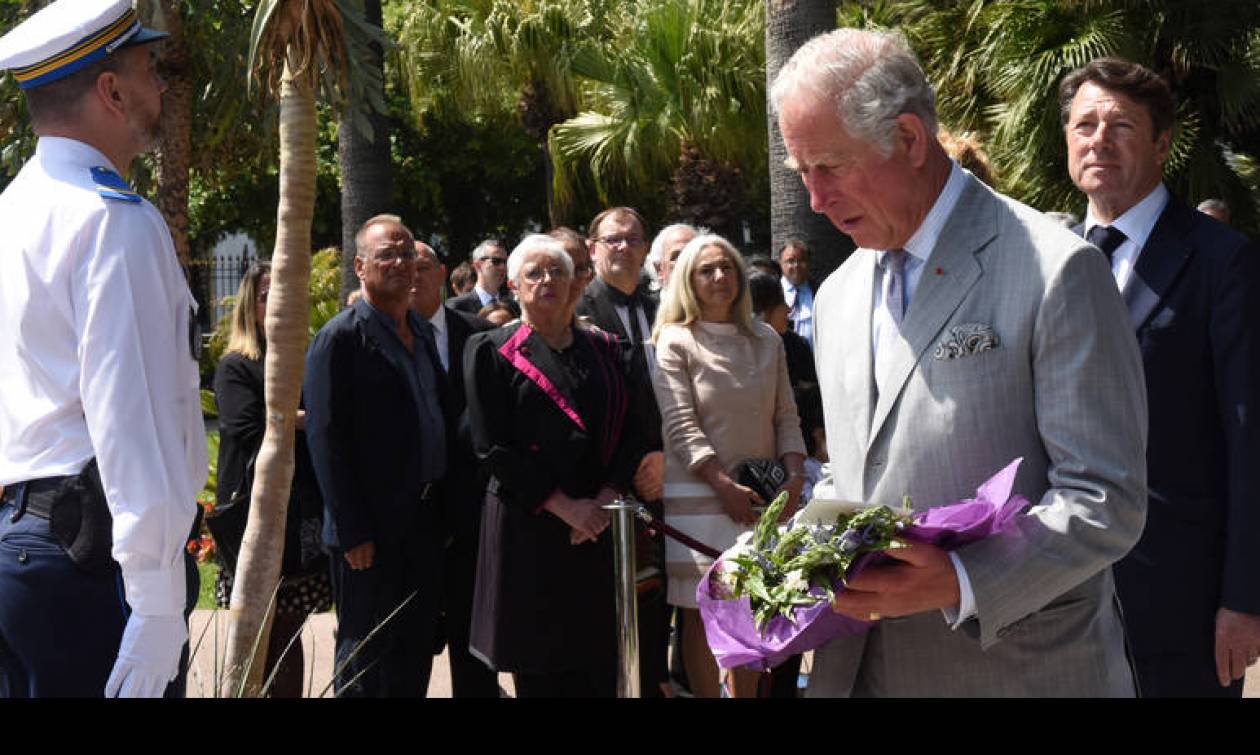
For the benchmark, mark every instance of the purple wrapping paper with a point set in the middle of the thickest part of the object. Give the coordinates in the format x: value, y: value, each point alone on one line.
x: 732, y: 632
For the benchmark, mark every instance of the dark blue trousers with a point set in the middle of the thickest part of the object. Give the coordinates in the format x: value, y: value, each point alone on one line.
x: 60, y: 627
x: 382, y: 651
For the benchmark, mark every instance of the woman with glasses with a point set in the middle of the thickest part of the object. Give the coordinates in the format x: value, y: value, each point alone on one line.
x: 547, y: 404
x: 238, y: 395
x: 724, y: 394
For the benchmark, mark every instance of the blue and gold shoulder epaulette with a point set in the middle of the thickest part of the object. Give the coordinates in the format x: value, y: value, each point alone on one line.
x: 113, y: 186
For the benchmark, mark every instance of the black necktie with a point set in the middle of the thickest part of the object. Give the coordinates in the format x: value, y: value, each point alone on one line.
x: 631, y: 303
x: 1106, y: 238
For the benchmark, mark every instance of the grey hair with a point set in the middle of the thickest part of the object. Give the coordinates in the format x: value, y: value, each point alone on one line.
x: 537, y: 242
x: 360, y: 237
x: 481, y: 248
x: 424, y: 248
x: 1218, y: 205
x: 872, y: 76
x: 658, y: 243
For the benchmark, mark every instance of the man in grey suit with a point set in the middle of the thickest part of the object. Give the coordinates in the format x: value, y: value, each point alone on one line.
x: 966, y: 330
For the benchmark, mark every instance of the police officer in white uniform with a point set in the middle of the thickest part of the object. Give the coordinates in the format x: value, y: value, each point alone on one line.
x: 102, y: 448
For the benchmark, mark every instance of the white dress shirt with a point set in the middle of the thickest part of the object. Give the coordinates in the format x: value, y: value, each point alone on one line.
x: 1136, y: 224
x: 96, y: 361
x: 919, y: 252
x: 485, y: 296
x: 800, y: 300
x: 442, y: 336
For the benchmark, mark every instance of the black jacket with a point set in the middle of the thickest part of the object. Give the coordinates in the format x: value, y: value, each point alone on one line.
x: 1194, y: 302
x: 363, y: 429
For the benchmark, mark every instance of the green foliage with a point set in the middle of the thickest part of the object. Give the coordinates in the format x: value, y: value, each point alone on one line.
x: 997, y: 66
x: 782, y: 567
x: 680, y: 73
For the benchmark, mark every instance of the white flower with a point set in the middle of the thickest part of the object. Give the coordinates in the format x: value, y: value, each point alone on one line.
x: 744, y: 538
x: 796, y: 581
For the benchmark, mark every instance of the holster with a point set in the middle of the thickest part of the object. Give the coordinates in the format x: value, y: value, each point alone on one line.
x: 79, y: 518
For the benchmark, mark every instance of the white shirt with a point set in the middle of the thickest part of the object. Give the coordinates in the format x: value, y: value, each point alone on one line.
x: 441, y: 335
x: 95, y: 360
x: 919, y: 251
x: 800, y: 300
x: 485, y: 296
x: 1136, y: 224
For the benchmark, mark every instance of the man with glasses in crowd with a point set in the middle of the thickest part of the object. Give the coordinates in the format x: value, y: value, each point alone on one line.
x: 489, y: 259
x: 375, y: 424
x: 620, y: 302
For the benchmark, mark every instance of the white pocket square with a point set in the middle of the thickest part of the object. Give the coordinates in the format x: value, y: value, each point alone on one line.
x: 966, y: 340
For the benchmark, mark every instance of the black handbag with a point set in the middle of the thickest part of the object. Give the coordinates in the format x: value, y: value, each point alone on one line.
x: 764, y: 476
x: 227, y: 522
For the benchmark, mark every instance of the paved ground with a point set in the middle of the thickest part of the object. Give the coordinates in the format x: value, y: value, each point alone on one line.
x: 317, y: 644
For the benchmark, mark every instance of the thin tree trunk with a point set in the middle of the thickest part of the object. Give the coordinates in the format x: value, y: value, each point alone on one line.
x: 367, y: 187
x: 288, y: 312
x: 173, y: 155
x: 789, y: 24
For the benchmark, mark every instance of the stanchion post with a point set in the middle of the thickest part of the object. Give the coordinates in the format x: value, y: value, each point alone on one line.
x: 623, y: 513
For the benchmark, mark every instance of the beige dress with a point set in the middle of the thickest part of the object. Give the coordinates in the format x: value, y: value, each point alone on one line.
x: 721, y: 393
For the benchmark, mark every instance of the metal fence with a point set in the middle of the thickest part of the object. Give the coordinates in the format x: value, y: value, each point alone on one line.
x: 212, y: 280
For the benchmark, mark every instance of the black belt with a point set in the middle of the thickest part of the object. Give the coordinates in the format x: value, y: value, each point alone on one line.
x: 19, y: 494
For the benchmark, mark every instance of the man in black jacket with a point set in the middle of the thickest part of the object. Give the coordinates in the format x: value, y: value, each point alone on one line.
x: 465, y: 483
x: 489, y: 259
x: 377, y: 434
x: 619, y: 302
x: 1189, y: 588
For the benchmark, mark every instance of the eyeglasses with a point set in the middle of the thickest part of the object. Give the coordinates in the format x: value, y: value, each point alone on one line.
x: 536, y: 274
x: 496, y: 261
x: 392, y: 256
x: 619, y: 240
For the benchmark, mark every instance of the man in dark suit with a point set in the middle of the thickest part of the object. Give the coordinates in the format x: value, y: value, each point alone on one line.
x: 465, y: 484
x: 378, y: 440
x: 1189, y: 589
x: 619, y: 301
x: 489, y: 259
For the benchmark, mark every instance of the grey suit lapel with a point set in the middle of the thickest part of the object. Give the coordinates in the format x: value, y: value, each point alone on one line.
x: 859, y: 380
x: 950, y: 272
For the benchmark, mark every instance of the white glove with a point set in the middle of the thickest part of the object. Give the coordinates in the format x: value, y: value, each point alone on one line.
x: 148, y: 658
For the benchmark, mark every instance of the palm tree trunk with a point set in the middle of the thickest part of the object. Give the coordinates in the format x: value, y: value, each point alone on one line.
x: 366, y: 168
x: 174, y: 153
x: 789, y: 24
x: 258, y: 569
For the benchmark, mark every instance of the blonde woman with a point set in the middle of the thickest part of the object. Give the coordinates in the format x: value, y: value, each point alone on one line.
x: 725, y: 397
x: 238, y: 395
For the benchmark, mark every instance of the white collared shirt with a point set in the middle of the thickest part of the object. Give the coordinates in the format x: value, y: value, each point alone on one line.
x: 1136, y: 224
x: 800, y: 300
x: 918, y: 249
x: 485, y: 297
x: 96, y: 361
x: 441, y: 335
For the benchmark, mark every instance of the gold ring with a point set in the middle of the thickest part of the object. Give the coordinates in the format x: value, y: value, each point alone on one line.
x: 873, y: 617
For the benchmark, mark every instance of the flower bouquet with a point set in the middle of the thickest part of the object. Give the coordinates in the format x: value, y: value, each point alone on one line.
x: 769, y: 596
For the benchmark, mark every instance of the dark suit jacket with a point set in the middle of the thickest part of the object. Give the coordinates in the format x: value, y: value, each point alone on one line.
x: 541, y: 603
x: 470, y: 303
x: 596, y: 305
x: 363, y: 429
x: 465, y: 481
x: 1193, y: 300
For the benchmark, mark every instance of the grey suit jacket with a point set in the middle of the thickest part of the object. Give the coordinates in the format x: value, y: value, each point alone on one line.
x: 1063, y: 389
